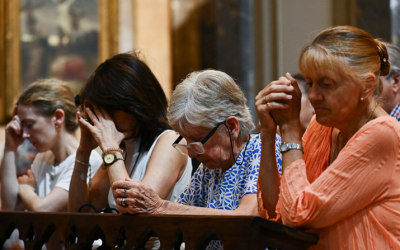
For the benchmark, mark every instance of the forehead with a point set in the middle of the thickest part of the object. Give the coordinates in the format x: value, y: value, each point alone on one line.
x: 194, y: 132
x: 27, y: 111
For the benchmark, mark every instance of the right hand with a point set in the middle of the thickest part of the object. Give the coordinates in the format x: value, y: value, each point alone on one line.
x: 14, y: 132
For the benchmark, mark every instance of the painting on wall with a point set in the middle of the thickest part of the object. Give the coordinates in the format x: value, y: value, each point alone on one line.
x: 59, y: 39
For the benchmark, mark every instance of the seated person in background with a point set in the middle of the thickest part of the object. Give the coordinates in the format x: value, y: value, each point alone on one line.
x: 307, y: 110
x: 125, y: 105
x: 390, y: 98
x: 45, y: 114
x: 209, y: 111
x: 346, y: 185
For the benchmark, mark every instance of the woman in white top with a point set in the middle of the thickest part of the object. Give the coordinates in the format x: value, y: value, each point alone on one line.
x: 45, y: 114
x: 125, y: 110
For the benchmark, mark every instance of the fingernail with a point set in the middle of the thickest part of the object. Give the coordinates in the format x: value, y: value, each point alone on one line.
x: 290, y: 87
x: 79, y: 117
x: 289, y: 96
x: 85, y: 105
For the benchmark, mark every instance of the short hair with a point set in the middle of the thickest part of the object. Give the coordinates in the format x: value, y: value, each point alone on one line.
x: 394, y: 58
x: 124, y: 82
x: 345, y: 51
x: 206, y: 98
x: 48, y: 95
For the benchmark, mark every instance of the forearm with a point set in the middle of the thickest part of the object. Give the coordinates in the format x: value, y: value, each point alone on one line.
x: 78, y: 191
x: 9, y: 182
x: 269, y: 177
x: 291, y: 132
x: 117, y: 172
x: 31, y: 201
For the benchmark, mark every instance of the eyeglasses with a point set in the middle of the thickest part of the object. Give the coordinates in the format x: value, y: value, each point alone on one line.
x: 196, y: 147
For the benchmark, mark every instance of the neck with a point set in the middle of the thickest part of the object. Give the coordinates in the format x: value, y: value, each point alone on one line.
x: 66, y: 145
x: 349, y: 129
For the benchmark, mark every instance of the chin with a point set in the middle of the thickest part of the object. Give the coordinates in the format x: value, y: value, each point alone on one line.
x: 323, y: 120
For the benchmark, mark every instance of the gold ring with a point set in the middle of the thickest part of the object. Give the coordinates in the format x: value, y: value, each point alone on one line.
x: 268, y: 104
x: 265, y: 99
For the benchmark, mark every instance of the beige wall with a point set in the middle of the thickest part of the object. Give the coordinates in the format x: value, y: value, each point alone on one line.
x: 287, y: 25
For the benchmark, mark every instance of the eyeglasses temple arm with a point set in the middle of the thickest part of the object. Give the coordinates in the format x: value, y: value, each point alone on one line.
x: 177, y: 140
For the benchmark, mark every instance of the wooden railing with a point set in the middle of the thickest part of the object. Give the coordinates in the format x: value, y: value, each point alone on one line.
x: 78, y: 231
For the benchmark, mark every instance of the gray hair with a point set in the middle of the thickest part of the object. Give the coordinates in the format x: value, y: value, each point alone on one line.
x: 394, y: 59
x: 206, y: 98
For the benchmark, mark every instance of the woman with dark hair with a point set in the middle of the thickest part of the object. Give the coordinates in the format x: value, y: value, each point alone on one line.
x: 126, y: 116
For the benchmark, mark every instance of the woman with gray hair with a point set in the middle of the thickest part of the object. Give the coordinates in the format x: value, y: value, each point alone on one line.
x: 208, y: 110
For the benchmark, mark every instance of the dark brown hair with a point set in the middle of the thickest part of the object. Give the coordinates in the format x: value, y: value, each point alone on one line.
x: 124, y: 82
x: 47, y: 96
x: 345, y: 51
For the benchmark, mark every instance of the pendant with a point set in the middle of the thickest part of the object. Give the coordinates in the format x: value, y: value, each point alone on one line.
x: 82, y: 176
x: 90, y: 184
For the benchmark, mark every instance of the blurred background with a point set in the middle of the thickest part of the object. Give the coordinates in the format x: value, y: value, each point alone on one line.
x: 254, y: 41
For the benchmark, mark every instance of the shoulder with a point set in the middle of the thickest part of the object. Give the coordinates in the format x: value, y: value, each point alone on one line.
x: 383, y: 131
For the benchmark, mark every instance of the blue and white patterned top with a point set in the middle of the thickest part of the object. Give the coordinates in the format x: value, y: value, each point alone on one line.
x: 212, y: 189
x: 396, y: 112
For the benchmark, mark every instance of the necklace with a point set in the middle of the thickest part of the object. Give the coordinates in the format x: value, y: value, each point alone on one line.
x: 337, y: 140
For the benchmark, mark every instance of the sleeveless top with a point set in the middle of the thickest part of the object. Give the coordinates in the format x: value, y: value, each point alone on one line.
x: 137, y: 172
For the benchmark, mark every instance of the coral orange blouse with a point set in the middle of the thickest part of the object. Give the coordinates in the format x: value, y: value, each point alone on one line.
x: 355, y: 202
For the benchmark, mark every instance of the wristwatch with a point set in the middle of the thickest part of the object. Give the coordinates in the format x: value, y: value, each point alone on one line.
x: 286, y: 146
x: 111, y: 157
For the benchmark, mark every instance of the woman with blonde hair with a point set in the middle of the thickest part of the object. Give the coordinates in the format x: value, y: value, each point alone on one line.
x: 45, y: 114
x: 341, y: 180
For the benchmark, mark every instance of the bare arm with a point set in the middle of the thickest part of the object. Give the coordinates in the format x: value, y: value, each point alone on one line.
x: 8, y: 169
x: 142, y: 199
x: 165, y: 167
x: 55, y: 201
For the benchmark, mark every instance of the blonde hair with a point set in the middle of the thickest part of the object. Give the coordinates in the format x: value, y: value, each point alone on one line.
x: 206, y: 98
x: 348, y: 52
x: 47, y: 96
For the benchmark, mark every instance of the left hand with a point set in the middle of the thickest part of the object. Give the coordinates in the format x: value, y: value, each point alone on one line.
x: 140, y: 198
x: 28, y: 179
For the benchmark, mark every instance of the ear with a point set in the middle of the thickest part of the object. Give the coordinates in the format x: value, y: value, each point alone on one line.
x: 58, y: 117
x: 369, y: 85
x: 233, y: 124
x: 396, y: 83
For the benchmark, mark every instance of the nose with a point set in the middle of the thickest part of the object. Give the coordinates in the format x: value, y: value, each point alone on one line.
x: 25, y: 135
x: 314, y: 95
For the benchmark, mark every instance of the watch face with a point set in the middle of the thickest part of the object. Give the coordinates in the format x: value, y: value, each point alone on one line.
x: 109, y: 158
x: 284, y: 147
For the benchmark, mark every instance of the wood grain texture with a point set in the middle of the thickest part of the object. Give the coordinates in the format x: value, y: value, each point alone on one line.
x: 133, y: 231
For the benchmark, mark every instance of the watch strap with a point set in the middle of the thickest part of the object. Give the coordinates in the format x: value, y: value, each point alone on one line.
x: 286, y: 146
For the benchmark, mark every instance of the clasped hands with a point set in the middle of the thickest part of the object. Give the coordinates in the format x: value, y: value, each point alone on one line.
x: 279, y: 104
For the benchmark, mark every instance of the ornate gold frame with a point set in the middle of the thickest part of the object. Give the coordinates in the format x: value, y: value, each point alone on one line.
x: 10, y: 50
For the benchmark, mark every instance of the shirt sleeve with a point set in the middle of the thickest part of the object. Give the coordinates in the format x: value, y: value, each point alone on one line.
x: 65, y: 180
x: 193, y: 194
x: 360, y: 175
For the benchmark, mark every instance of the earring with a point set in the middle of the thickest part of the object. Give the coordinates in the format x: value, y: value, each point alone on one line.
x: 233, y: 137
x: 362, y: 98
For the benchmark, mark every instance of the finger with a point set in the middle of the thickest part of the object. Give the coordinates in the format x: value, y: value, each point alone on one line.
x: 92, y: 116
x: 98, y: 112
x: 274, y: 89
x: 30, y: 174
x: 293, y: 82
x: 105, y: 114
x: 15, y: 127
x: 278, y: 97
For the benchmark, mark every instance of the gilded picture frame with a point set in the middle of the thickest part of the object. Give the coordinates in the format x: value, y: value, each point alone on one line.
x: 10, y: 47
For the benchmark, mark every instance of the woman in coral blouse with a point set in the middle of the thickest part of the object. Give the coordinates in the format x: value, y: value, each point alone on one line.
x: 346, y: 185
